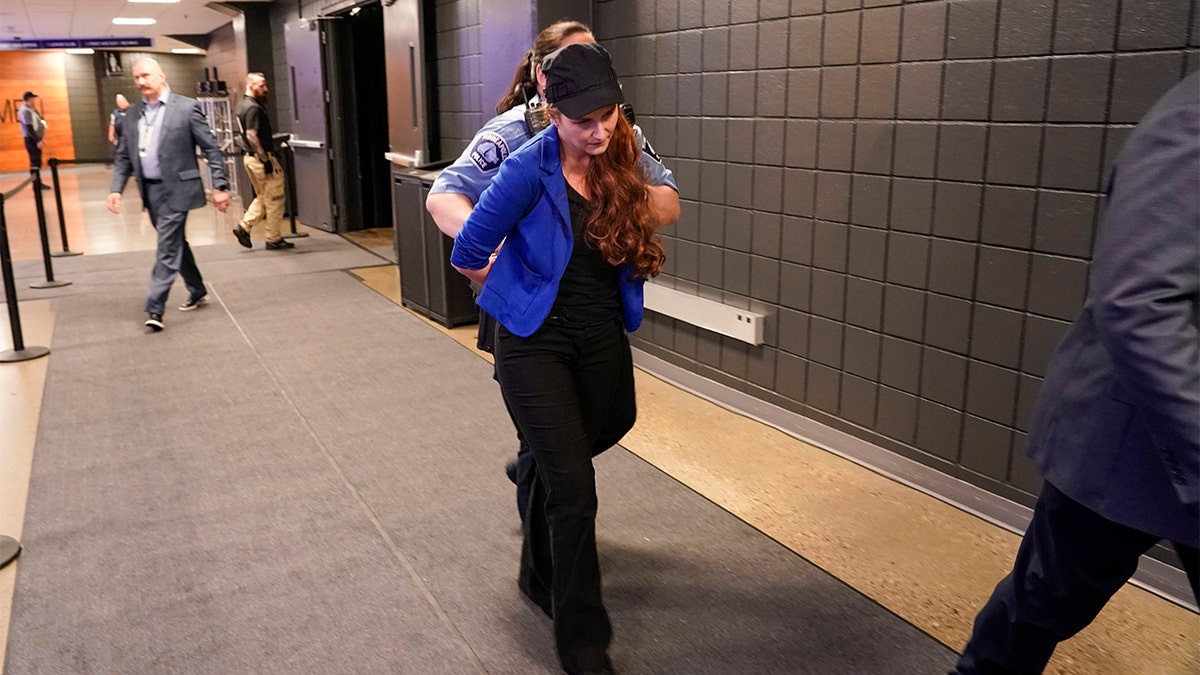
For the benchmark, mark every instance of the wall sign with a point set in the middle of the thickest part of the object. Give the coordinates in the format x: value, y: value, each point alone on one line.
x: 67, y: 43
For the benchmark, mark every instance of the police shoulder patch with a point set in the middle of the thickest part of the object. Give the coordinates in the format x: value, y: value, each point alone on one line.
x: 489, y: 150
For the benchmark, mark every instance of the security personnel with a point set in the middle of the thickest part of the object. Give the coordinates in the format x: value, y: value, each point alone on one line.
x: 456, y: 190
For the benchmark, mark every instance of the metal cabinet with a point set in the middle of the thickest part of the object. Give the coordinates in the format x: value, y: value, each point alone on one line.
x: 428, y: 284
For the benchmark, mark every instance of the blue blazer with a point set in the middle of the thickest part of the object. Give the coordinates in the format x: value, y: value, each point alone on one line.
x: 1117, y: 423
x: 526, y: 208
x: 184, y: 128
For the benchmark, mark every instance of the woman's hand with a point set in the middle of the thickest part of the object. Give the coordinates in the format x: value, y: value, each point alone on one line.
x: 479, y: 276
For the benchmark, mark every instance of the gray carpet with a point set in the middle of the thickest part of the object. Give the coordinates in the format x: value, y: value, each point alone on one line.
x: 303, y: 477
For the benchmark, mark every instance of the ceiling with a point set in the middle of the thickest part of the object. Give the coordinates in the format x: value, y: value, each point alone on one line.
x: 50, y: 19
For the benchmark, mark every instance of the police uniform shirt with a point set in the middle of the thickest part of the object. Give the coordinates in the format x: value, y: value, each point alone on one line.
x: 115, y: 119
x: 475, y: 168
x: 30, y: 121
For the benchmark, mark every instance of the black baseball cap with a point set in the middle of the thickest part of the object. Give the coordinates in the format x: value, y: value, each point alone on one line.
x: 28, y: 95
x: 580, y: 78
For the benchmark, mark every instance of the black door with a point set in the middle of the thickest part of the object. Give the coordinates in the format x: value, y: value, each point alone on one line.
x: 355, y: 62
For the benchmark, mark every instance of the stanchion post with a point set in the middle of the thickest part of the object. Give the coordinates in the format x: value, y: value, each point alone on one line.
x: 19, y: 352
x: 62, y: 221
x: 289, y: 185
x: 41, y: 216
x: 9, y: 550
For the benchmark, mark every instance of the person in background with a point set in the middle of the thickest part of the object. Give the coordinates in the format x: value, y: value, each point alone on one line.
x: 116, y: 117
x: 574, y: 210
x: 1116, y: 427
x: 158, y: 148
x: 457, y: 188
x: 264, y: 169
x: 33, y: 130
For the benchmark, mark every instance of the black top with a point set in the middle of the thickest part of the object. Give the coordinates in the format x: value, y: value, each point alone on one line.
x: 253, y: 115
x: 588, y: 291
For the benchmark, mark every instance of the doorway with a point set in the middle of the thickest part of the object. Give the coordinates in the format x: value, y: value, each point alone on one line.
x: 355, y: 61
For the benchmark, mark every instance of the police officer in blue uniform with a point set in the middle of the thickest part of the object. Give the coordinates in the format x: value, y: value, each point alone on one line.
x: 456, y: 190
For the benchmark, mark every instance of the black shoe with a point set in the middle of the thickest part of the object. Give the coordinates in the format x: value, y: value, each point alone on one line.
x: 193, y: 302
x: 278, y: 244
x: 243, y: 236
x: 154, y: 321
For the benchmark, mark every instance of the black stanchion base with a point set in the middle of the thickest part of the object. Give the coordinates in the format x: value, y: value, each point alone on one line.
x: 64, y: 254
x: 27, y: 354
x: 295, y: 235
x: 49, y: 284
x: 9, y: 550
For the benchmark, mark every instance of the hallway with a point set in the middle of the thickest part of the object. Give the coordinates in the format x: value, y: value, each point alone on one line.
x: 300, y: 330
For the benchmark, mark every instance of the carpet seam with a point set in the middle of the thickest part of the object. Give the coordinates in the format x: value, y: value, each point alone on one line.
x: 394, y: 549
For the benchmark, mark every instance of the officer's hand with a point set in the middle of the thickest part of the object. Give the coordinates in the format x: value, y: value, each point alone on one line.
x: 114, y: 202
x: 41, y: 144
x: 220, y: 199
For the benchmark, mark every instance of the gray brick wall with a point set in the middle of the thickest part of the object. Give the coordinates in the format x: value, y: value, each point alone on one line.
x: 456, y: 72
x: 908, y: 190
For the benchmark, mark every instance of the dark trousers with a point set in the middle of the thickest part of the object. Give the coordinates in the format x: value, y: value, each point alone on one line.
x: 1071, y: 561
x: 520, y: 472
x: 35, y: 153
x: 569, y: 387
x: 174, y: 256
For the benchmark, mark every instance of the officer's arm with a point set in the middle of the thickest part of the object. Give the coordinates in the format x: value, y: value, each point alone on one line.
x: 449, y: 211
x: 664, y: 204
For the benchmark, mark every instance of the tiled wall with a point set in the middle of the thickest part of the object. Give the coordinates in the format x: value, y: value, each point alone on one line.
x: 456, y: 70
x: 909, y: 191
x: 93, y: 93
x: 89, y: 108
x: 225, y: 62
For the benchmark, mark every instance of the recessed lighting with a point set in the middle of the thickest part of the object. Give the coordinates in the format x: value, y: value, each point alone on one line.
x: 177, y: 50
x: 120, y: 21
x: 82, y: 50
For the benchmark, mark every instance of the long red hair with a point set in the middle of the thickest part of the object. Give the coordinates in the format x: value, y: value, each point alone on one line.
x: 622, y: 223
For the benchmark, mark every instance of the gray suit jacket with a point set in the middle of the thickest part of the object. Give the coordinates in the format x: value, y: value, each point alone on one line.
x: 1117, y: 423
x: 183, y: 129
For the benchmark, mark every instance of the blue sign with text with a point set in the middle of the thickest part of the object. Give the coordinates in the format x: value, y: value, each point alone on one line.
x: 77, y: 43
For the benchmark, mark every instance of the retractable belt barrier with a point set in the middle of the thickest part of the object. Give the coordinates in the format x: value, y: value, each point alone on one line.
x: 289, y: 182
x: 50, y: 282
x: 19, y: 352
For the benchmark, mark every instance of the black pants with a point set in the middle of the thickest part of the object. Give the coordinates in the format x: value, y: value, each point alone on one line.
x: 569, y: 386
x: 1071, y: 561
x: 35, y: 153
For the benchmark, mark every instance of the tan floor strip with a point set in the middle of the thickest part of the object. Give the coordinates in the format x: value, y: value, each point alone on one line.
x: 21, y: 387
x: 928, y: 562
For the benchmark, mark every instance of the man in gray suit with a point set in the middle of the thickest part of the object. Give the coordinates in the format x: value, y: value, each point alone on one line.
x: 1116, y: 428
x: 160, y: 135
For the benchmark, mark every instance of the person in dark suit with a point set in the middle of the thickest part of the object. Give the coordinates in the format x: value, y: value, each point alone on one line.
x: 1116, y: 428
x: 159, y: 140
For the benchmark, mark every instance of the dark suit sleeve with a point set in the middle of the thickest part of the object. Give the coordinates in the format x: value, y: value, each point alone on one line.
x: 1146, y: 281
x: 203, y: 137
